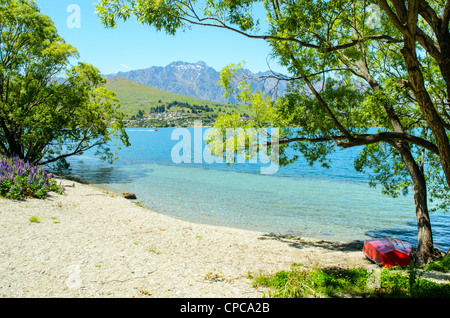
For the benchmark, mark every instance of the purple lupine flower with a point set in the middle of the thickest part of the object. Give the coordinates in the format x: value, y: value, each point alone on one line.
x: 15, y: 169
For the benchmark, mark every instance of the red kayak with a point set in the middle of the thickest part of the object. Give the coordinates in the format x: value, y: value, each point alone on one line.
x: 388, y: 252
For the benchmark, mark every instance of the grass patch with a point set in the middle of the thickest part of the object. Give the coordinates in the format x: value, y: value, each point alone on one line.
x: 316, y: 282
x: 34, y: 219
x: 440, y: 265
x: 356, y: 282
x: 153, y: 250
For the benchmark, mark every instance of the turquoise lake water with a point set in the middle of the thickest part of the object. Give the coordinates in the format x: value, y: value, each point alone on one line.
x: 334, y: 203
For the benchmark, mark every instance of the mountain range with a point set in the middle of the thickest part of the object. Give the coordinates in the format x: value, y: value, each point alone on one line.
x: 197, y: 80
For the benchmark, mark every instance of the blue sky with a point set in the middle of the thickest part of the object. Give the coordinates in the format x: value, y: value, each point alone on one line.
x: 133, y: 46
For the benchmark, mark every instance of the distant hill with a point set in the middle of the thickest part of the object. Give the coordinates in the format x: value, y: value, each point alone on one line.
x: 135, y: 98
x: 192, y: 80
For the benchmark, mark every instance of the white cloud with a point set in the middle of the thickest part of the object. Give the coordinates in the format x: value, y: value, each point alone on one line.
x: 126, y: 66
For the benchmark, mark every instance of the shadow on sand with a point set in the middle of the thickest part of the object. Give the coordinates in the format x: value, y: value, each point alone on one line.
x: 301, y: 243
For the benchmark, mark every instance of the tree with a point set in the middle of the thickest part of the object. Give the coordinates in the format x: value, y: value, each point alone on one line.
x: 347, y: 74
x: 50, y: 110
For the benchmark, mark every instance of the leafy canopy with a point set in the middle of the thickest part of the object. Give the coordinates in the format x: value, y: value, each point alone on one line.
x: 49, y: 109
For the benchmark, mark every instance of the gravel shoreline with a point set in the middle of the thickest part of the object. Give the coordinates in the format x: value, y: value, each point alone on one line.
x: 90, y: 243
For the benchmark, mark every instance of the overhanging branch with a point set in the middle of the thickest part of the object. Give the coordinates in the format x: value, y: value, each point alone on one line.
x: 217, y: 23
x: 367, y: 139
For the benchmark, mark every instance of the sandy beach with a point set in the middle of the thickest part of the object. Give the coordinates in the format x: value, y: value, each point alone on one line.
x: 91, y: 243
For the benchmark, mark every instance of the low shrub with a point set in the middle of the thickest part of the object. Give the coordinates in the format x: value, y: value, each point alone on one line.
x: 440, y: 265
x: 336, y: 283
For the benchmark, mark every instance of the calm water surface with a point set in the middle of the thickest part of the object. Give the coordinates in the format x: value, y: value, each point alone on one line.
x: 334, y: 203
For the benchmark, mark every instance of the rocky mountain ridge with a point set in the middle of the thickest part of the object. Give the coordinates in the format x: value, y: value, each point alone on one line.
x: 196, y: 80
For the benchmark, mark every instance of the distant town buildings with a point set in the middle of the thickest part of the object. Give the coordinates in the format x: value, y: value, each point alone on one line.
x: 175, y: 117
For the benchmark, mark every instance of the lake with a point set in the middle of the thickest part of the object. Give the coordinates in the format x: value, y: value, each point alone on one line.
x: 335, y: 203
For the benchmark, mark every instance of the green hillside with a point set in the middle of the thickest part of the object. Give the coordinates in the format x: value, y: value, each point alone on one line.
x: 139, y: 101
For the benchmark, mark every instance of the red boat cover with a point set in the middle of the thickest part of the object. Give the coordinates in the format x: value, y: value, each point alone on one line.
x: 388, y: 252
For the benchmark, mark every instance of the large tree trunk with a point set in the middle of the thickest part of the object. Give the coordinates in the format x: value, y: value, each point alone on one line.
x: 405, y: 19
x: 425, y: 246
x: 427, y: 107
x: 425, y: 249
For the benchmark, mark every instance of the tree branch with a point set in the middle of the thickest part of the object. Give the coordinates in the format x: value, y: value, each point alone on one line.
x: 446, y: 15
x: 311, y: 140
x: 429, y: 15
x: 222, y: 25
x: 412, y: 16
x: 366, y: 139
x: 266, y: 37
x: 319, y: 98
x: 392, y: 16
x: 75, y: 152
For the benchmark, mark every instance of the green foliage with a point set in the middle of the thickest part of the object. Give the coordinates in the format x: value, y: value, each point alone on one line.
x: 316, y: 282
x: 34, y: 219
x: 335, y: 283
x: 172, y: 16
x: 386, y: 168
x: 440, y: 265
x: 20, y: 179
x: 42, y: 119
x: 295, y: 110
x: 398, y: 284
